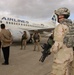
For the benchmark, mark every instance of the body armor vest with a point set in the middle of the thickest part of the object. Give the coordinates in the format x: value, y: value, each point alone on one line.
x: 69, y: 38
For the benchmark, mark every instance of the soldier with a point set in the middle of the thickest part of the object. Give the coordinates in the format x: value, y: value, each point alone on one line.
x: 24, y: 40
x: 63, y: 53
x: 36, y: 37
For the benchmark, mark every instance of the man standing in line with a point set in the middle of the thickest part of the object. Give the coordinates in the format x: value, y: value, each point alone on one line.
x: 36, y: 37
x: 62, y: 49
x: 24, y: 40
x: 6, y: 40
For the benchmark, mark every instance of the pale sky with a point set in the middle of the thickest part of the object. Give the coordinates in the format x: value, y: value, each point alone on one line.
x: 40, y: 10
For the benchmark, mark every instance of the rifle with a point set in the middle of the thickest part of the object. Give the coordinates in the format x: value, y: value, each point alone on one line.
x: 46, y: 48
x: 45, y: 52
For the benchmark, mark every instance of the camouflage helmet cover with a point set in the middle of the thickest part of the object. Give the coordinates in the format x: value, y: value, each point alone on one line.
x: 63, y: 11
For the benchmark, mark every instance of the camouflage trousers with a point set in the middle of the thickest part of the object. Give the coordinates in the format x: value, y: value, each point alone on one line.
x: 23, y: 44
x: 59, y: 71
x: 36, y: 44
x: 61, y: 62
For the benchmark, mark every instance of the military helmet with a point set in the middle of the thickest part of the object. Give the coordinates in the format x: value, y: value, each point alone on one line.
x: 63, y: 11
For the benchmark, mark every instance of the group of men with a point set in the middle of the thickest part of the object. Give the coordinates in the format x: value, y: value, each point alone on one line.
x: 6, y: 41
x: 35, y: 39
x: 63, y: 36
x: 62, y: 48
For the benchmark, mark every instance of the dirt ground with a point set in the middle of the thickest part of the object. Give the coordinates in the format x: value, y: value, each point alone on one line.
x: 25, y: 62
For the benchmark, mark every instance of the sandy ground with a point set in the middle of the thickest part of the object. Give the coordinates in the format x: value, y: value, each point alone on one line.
x: 25, y: 62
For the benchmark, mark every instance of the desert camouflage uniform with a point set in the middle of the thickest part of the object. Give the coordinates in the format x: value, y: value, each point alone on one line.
x: 63, y: 55
x: 36, y: 38
x: 72, y: 39
x: 69, y: 41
